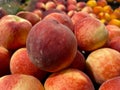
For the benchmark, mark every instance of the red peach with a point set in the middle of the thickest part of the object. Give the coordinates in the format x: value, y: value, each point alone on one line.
x: 91, y: 34
x: 111, y: 84
x: 115, y: 43
x: 101, y: 3
x: 68, y: 79
x: 78, y: 16
x: 113, y: 31
x: 79, y: 61
x: 51, y: 45
x: 87, y: 9
x: 46, y: 12
x: 103, y: 64
x: 20, y: 82
x: 61, y: 7
x: 71, y: 7
x: 30, y: 16
x: 74, y: 2
x: 62, y: 18
x: 4, y: 61
x: 80, y: 5
x: 2, y: 12
x: 21, y: 64
x: 14, y: 31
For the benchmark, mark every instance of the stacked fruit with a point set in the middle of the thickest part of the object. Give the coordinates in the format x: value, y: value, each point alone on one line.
x: 60, y: 45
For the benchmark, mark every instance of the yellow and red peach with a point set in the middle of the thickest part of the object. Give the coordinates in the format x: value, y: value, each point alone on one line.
x: 111, y: 84
x: 30, y: 16
x: 68, y: 79
x: 103, y: 64
x: 51, y: 45
x: 21, y: 64
x: 91, y: 34
x: 20, y: 82
x: 14, y: 31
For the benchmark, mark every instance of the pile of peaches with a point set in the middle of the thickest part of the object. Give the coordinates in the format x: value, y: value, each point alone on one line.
x: 61, y: 45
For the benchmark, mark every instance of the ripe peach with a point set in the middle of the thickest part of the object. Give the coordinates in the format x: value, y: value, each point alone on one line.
x: 21, y: 64
x: 79, y: 61
x: 97, y: 9
x: 46, y: 12
x: 40, y: 5
x: 111, y: 84
x: 14, y: 31
x: 87, y: 9
x: 20, y: 82
x: 115, y: 43
x: 80, y: 5
x: 113, y: 31
x: 51, y: 45
x: 103, y: 64
x: 68, y: 79
x: 38, y: 12
x: 91, y: 34
x: 74, y: 2
x: 50, y: 5
x: 4, y: 61
x: 61, y: 7
x: 71, y: 7
x: 62, y: 18
x: 30, y: 16
x: 78, y: 16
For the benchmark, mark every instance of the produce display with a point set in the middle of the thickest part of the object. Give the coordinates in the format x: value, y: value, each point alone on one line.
x: 59, y: 44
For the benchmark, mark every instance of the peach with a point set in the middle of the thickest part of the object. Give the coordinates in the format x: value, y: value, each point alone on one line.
x: 14, y: 31
x: 40, y: 5
x: 61, y: 7
x: 51, y: 45
x: 113, y: 31
x: 62, y: 18
x: 38, y: 12
x: 74, y: 2
x: 68, y: 79
x: 21, y: 64
x: 50, y: 5
x: 71, y: 7
x: 60, y: 2
x: 30, y: 16
x: 80, y: 5
x: 108, y: 9
x: 78, y: 16
x: 91, y: 34
x: 115, y: 43
x: 4, y: 61
x: 111, y: 84
x: 87, y: 9
x: 46, y: 12
x: 71, y: 13
x: 20, y: 82
x: 103, y: 64
x: 79, y: 61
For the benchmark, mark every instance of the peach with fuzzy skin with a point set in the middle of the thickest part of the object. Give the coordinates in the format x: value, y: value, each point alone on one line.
x: 20, y: 82
x: 4, y: 61
x: 2, y: 12
x: 30, y: 16
x: 62, y: 18
x: 113, y: 31
x: 71, y: 7
x: 115, y: 43
x: 111, y: 84
x: 50, y: 5
x: 103, y: 64
x: 78, y: 16
x: 79, y: 61
x: 14, y: 31
x: 80, y: 5
x: 21, y: 64
x: 74, y: 2
x: 51, y: 45
x: 61, y: 7
x: 91, y: 34
x: 68, y: 79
